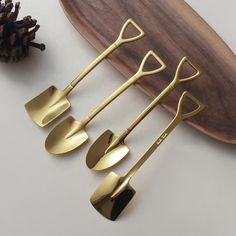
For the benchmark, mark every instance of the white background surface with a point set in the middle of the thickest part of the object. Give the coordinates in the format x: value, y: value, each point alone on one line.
x: 188, y: 188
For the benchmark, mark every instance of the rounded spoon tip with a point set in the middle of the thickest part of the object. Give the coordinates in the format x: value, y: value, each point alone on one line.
x: 66, y: 137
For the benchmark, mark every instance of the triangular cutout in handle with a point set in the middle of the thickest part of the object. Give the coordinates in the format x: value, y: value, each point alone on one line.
x: 162, y: 66
x: 182, y: 100
x: 121, y: 39
x: 185, y: 60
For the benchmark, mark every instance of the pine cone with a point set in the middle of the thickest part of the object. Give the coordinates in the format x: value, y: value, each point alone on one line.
x: 16, y: 36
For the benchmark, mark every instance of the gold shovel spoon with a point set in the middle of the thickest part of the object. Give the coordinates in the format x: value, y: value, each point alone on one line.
x: 70, y: 134
x: 115, y: 192
x: 53, y: 102
x: 109, y: 148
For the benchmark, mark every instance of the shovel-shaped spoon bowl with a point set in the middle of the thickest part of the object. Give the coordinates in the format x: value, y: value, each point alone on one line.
x: 47, y: 106
x: 66, y: 137
x: 53, y: 102
x: 58, y: 142
x: 115, y: 192
x: 99, y: 159
x: 109, y: 149
x: 112, y: 196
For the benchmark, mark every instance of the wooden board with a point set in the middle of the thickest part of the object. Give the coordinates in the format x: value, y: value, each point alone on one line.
x: 173, y: 30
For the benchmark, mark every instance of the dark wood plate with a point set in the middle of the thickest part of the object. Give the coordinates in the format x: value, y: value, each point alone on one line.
x: 173, y: 30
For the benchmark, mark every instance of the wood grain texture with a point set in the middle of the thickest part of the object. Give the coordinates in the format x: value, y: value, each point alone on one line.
x: 173, y: 30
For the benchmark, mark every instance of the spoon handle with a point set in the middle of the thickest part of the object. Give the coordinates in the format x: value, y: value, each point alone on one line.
x: 140, y: 73
x: 120, y: 40
x: 175, y: 82
x: 90, y: 67
x: 177, y: 119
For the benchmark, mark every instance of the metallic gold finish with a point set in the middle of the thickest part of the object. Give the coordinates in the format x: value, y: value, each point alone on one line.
x: 109, y: 149
x: 53, y: 102
x: 70, y: 134
x: 115, y: 192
